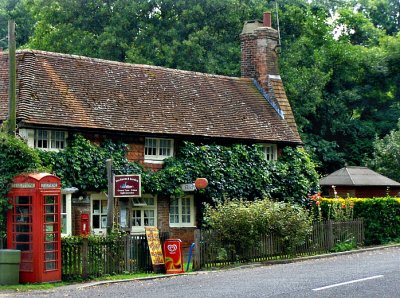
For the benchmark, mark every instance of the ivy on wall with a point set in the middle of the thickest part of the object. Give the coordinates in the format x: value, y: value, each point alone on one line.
x: 15, y: 158
x: 238, y: 171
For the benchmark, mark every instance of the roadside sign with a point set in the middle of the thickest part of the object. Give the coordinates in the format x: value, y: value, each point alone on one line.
x: 173, y: 256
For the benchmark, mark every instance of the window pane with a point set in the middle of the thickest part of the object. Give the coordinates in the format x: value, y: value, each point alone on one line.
x: 186, y: 210
x: 150, y: 147
x: 165, y: 147
x: 136, y: 218
x: 149, y: 217
x: 63, y: 204
x: 64, y: 223
x: 96, y: 222
x: 149, y: 201
x: 174, y: 211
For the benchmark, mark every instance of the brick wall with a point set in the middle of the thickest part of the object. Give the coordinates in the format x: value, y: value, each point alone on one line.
x: 259, y: 54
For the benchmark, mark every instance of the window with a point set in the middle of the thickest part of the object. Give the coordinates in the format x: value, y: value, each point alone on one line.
x: 270, y: 152
x: 99, y: 213
x: 158, y: 149
x: 144, y: 213
x: 50, y: 139
x: 66, y: 223
x: 181, y: 212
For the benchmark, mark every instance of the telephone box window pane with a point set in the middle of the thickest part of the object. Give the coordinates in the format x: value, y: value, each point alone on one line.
x: 23, y: 246
x: 23, y: 238
x: 50, y: 199
x: 22, y: 228
x: 22, y: 214
x: 50, y: 266
x: 50, y: 246
x: 51, y: 218
x: 51, y: 237
x: 50, y: 209
x: 51, y: 256
x: 23, y: 200
x: 51, y: 228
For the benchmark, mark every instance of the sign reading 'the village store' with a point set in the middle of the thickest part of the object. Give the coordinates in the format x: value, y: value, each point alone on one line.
x: 127, y: 186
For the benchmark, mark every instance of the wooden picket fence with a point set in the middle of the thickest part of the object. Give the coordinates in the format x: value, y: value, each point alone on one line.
x: 97, y: 256
x: 211, y: 251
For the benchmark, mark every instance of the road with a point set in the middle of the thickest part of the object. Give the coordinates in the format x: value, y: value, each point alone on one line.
x: 365, y: 274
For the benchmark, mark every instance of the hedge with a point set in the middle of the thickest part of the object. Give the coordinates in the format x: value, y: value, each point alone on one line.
x: 381, y: 215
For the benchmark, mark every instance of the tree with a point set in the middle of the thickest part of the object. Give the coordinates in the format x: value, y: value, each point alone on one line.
x: 386, y: 155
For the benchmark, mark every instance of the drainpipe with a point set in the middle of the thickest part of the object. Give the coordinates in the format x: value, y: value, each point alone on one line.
x: 12, y: 122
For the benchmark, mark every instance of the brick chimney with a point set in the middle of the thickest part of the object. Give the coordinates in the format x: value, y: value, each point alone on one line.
x: 259, y: 44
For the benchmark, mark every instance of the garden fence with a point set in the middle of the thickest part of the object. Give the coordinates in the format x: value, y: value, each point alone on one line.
x: 97, y: 256
x: 326, y: 236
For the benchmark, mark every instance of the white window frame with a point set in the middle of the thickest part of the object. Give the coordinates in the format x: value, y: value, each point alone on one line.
x: 52, y: 139
x: 31, y: 137
x: 158, y: 156
x: 67, y: 213
x: 270, y: 152
x: 177, y: 201
x: 101, y: 213
x: 141, y: 229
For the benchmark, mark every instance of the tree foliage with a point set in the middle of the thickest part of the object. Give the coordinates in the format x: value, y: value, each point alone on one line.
x: 386, y: 155
x: 339, y: 59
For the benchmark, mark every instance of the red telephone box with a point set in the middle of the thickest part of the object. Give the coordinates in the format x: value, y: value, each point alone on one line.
x: 33, y: 226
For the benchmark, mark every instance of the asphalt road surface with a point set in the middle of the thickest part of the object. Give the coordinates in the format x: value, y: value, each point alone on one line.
x: 365, y: 274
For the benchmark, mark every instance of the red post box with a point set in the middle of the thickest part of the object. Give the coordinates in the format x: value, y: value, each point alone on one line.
x: 173, y: 256
x: 34, y: 226
x: 85, y: 229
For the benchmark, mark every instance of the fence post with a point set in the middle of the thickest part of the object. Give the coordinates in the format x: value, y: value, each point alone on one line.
x: 85, y: 252
x: 197, y: 250
x: 329, y: 234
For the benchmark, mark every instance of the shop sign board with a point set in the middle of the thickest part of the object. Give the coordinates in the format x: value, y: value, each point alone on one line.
x: 173, y: 256
x: 127, y: 186
x: 153, y: 240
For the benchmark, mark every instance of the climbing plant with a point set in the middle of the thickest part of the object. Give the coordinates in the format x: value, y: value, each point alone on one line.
x: 15, y: 158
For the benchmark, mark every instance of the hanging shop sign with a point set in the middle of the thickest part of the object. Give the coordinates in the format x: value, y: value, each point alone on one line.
x: 127, y: 186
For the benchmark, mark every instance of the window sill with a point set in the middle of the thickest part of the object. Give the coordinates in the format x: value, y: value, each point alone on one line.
x: 182, y: 226
x: 154, y: 161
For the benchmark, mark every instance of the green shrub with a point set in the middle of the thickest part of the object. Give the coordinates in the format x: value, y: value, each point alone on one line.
x: 241, y: 223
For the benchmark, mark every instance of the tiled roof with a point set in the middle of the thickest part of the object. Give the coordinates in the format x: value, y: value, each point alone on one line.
x: 357, y: 176
x: 71, y: 91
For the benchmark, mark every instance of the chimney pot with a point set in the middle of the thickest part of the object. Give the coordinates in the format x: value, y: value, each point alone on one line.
x: 267, y: 19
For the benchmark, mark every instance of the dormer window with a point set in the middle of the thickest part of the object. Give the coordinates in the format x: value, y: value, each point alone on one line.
x: 157, y: 149
x: 270, y: 151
